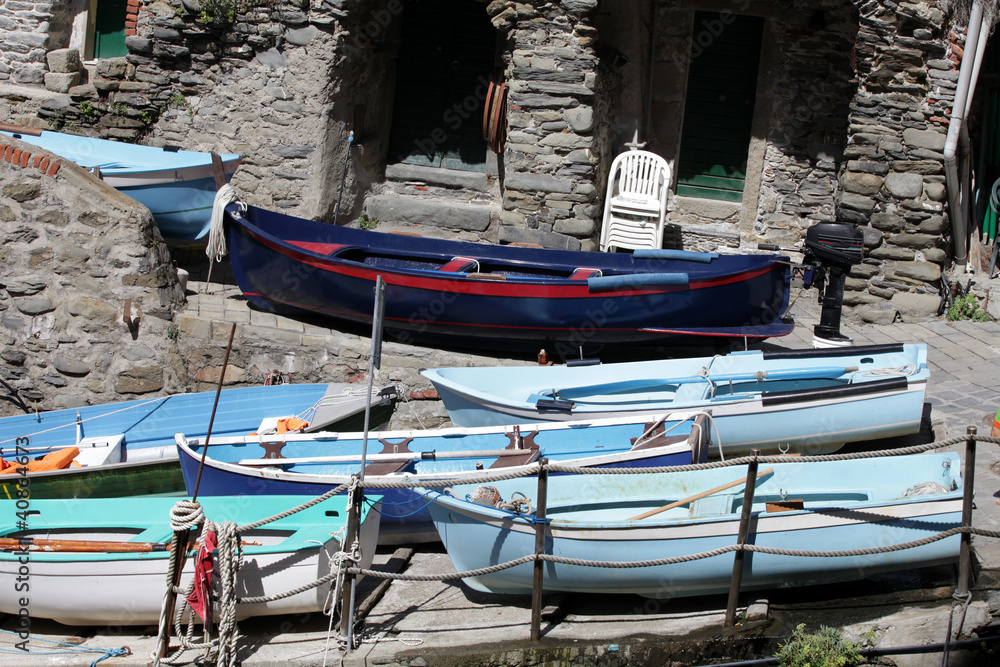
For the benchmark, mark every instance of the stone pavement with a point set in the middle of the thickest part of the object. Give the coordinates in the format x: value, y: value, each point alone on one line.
x: 446, y: 623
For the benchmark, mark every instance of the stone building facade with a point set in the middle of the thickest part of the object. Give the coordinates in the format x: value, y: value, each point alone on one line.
x: 332, y: 102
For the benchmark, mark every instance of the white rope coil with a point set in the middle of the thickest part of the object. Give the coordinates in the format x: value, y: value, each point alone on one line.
x: 185, y: 515
x: 216, y: 248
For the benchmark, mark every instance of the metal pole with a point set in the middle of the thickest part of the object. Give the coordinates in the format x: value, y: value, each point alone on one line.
x: 536, y: 584
x: 347, y: 593
x: 741, y: 539
x: 965, y: 552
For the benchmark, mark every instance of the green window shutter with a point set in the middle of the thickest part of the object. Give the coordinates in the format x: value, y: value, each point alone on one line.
x: 718, y: 110
x: 109, y: 29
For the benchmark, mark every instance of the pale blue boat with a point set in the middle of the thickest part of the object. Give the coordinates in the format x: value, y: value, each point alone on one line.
x: 177, y: 186
x: 127, y: 448
x: 800, y: 401
x: 315, y: 463
x: 837, y: 505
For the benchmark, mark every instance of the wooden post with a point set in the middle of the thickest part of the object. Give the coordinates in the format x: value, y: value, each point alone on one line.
x: 741, y: 539
x: 347, y: 592
x: 183, y: 538
x: 536, y: 583
x: 965, y: 551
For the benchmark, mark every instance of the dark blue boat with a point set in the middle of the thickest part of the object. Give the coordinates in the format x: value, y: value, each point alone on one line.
x: 500, y: 296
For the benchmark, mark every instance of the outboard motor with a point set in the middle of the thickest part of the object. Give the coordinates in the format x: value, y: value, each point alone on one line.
x: 831, y: 248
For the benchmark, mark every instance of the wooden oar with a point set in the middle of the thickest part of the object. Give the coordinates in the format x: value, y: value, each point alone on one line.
x: 698, y: 496
x: 92, y: 546
x: 20, y: 129
x: 88, y: 546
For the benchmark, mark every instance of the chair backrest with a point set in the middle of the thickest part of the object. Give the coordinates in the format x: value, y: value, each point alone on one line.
x: 636, y: 201
x: 639, y: 173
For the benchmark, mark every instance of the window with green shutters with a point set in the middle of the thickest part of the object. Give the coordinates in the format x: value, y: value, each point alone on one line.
x: 109, y: 29
x: 719, y: 106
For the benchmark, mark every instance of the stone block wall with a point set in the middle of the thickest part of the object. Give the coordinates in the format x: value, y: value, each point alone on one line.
x: 893, y: 183
x: 552, y: 152
x: 73, y: 253
x: 25, y: 27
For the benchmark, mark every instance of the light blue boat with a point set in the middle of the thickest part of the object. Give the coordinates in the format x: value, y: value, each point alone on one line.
x: 838, y: 505
x: 78, y: 578
x: 315, y: 463
x: 177, y: 186
x: 800, y: 401
x: 127, y: 448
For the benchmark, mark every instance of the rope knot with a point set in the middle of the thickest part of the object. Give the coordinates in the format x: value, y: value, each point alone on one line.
x: 185, y: 515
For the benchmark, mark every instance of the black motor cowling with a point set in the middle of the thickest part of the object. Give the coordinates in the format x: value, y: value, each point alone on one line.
x: 835, y: 243
x: 831, y: 248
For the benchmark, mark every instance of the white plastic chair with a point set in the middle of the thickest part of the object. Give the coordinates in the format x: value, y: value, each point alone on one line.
x: 636, y: 203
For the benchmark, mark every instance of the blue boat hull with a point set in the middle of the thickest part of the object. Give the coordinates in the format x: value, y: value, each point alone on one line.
x: 850, y: 510
x: 151, y: 423
x: 514, y: 297
x: 177, y: 186
x: 182, y: 210
x: 404, y: 511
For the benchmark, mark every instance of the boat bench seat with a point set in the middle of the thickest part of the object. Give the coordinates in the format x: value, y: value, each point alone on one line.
x: 461, y: 264
x: 386, y: 467
x: 527, y: 457
x: 584, y: 272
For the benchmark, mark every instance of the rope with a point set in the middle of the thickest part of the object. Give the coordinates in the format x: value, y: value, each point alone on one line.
x: 281, y: 515
x: 228, y: 556
x: 216, y: 248
x: 673, y: 560
x: 186, y: 515
x: 906, y: 369
x: 70, y: 649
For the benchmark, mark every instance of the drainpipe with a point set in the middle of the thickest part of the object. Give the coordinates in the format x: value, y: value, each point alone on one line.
x: 957, y: 203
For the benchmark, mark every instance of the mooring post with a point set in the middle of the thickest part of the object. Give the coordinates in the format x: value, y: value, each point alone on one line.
x: 536, y: 584
x: 965, y: 551
x: 347, y: 592
x: 741, y: 539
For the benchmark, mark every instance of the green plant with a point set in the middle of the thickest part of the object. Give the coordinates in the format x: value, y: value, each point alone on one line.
x: 173, y: 332
x: 367, y: 222
x: 88, y: 110
x: 826, y: 648
x: 218, y: 12
x: 119, y: 109
x: 148, y: 117
x: 966, y: 307
x: 178, y: 100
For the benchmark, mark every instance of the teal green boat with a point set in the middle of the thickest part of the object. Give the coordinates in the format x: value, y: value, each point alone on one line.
x: 82, y: 573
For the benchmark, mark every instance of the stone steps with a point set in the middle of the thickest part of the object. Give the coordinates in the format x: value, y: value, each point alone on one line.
x: 441, y: 200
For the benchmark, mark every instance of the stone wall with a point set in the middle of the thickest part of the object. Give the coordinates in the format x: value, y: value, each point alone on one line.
x: 894, y: 184
x: 26, y: 29
x: 858, y: 94
x: 552, y: 154
x: 74, y: 251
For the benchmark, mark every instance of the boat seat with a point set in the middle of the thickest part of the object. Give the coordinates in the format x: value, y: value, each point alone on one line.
x: 328, y: 249
x: 585, y: 272
x: 529, y: 456
x: 386, y: 467
x: 461, y: 264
